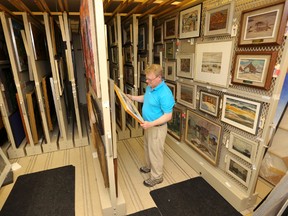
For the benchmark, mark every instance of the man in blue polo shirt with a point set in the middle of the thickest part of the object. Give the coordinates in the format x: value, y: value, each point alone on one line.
x: 158, y: 103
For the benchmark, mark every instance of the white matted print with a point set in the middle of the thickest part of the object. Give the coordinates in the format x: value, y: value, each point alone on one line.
x: 170, y: 70
x: 212, y: 63
x: 190, y: 22
x: 238, y: 171
x: 185, y: 65
x: 186, y: 94
x: 242, y: 147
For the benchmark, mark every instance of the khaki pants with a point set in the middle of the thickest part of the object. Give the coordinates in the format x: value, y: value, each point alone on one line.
x: 154, y: 140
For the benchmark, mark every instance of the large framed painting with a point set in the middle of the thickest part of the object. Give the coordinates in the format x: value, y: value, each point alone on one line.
x: 254, y: 68
x: 175, y: 124
x: 238, y: 170
x: 185, y: 64
x: 129, y: 74
x: 170, y: 28
x: 241, y: 113
x: 209, y: 103
x: 186, y: 94
x: 18, y: 44
x: 190, y: 20
x: 212, y: 63
x: 170, y: 70
x: 242, y: 147
x: 219, y: 20
x: 128, y: 105
x: 158, y: 34
x: 203, y: 136
x: 264, y: 25
x: 113, y: 32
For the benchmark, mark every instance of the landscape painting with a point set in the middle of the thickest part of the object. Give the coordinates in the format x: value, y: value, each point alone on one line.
x: 241, y: 113
x: 203, y: 136
x: 211, y: 62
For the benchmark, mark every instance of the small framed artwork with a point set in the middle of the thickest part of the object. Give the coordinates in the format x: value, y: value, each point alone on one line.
x: 170, y: 50
x: 264, y: 25
x: 209, y: 103
x: 219, y: 20
x: 142, y: 38
x: 254, y: 68
x: 128, y: 105
x: 18, y: 44
x: 203, y: 136
x: 241, y: 113
x: 128, y: 54
x: 186, y: 94
x: 170, y: 28
x: 242, y: 147
x: 158, y: 34
x: 190, y: 20
x: 129, y: 74
x: 212, y: 63
x: 185, y: 65
x: 174, y: 125
x: 172, y: 88
x: 170, y: 70
x: 238, y: 171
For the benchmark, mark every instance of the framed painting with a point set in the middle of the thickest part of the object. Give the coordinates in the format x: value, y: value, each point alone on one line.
x: 185, y: 65
x: 238, y: 171
x: 158, y: 34
x: 212, y: 63
x: 143, y: 64
x: 190, y: 20
x: 219, y: 20
x: 142, y: 38
x: 264, y: 25
x: 209, y: 103
x: 254, y: 68
x: 241, y: 113
x: 203, y: 136
x: 174, y: 125
x: 170, y: 50
x: 128, y: 105
x: 242, y: 147
x: 143, y: 86
x: 170, y: 28
x: 128, y: 54
x: 18, y: 45
x: 127, y: 34
x: 170, y: 70
x: 172, y: 88
x: 129, y: 74
x: 186, y: 94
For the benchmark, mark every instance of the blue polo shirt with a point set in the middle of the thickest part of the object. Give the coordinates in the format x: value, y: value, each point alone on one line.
x: 157, y: 101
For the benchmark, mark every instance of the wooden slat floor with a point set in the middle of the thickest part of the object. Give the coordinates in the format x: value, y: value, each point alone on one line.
x: 130, y: 158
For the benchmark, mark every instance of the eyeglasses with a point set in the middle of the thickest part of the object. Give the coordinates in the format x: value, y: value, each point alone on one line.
x: 150, y: 80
